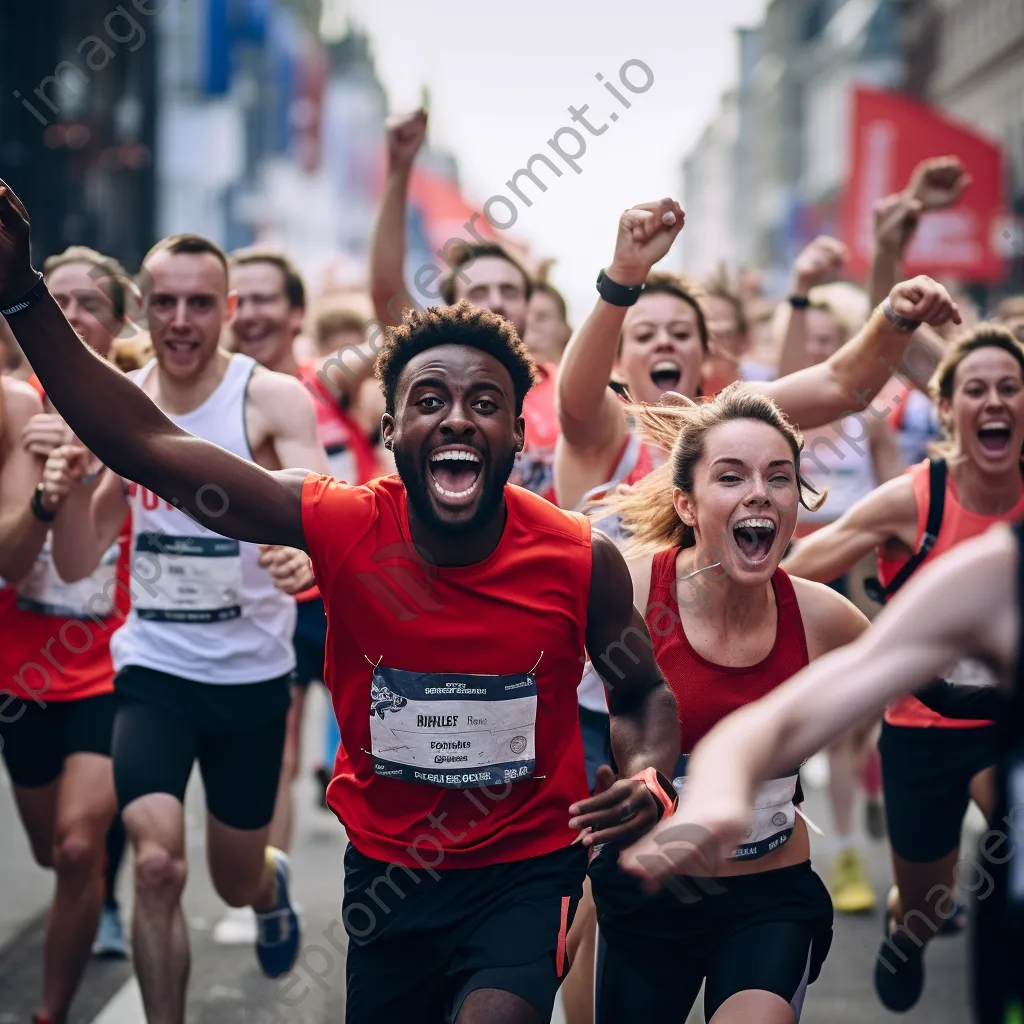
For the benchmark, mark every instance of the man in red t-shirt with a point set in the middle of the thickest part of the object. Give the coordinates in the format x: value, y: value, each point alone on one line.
x: 458, y: 611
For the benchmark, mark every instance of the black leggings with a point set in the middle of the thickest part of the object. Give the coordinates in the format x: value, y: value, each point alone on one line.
x: 642, y: 983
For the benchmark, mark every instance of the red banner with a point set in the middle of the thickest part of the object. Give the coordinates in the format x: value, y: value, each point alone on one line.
x: 891, y: 134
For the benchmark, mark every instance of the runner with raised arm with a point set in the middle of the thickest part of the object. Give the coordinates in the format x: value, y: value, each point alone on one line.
x: 431, y: 582
x: 205, y: 656
x: 932, y: 766
x: 968, y: 605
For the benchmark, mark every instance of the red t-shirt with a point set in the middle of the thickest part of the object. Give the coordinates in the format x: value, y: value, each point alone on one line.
x: 432, y: 671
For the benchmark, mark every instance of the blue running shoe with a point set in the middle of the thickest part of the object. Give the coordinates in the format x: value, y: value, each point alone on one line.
x: 277, y: 937
x: 110, y: 943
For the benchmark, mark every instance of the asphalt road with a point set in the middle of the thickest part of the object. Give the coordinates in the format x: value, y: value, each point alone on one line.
x: 227, y: 987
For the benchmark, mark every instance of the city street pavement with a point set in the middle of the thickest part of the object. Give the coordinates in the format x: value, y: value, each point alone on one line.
x: 227, y: 987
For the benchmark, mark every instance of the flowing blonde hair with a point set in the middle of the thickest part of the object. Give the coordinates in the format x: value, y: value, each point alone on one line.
x: 645, y: 509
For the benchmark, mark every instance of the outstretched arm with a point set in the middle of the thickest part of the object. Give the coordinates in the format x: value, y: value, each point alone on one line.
x: 889, y: 512
x: 390, y: 296
x: 223, y: 492
x: 644, y: 725
x: 964, y: 603
x: 848, y: 381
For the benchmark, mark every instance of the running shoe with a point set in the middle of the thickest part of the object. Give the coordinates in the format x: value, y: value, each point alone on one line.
x: 851, y: 890
x: 236, y: 928
x: 110, y: 942
x: 956, y: 922
x: 277, y: 942
x: 899, y: 970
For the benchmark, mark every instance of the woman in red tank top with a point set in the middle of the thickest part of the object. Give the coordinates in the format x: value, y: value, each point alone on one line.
x: 57, y: 700
x: 728, y: 626
x: 932, y: 766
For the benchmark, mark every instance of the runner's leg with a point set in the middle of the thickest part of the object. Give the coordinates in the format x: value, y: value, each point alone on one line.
x: 37, y: 808
x: 493, y: 1006
x: 282, y: 824
x: 85, y: 808
x: 578, y: 987
x: 850, y: 888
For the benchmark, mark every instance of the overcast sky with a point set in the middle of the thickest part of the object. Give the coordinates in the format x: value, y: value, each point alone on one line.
x: 502, y: 76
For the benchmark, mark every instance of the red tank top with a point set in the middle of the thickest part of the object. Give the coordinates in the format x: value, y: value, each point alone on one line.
x: 958, y: 524
x: 445, y: 677
x: 705, y: 692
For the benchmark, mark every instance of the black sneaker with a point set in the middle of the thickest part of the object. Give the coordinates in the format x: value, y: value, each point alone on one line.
x: 899, y: 970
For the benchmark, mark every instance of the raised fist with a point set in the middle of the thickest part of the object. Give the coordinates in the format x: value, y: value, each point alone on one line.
x: 44, y: 432
x: 289, y: 568
x: 66, y: 466
x: 16, y: 274
x: 646, y: 233
x: 924, y: 300
x: 896, y: 220
x: 819, y: 262
x: 938, y: 182
x: 405, y: 134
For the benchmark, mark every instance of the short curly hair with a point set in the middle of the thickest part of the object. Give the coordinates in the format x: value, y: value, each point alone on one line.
x: 461, y: 324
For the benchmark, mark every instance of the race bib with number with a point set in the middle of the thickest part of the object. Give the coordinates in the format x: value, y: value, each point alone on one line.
x: 773, y: 819
x: 452, y: 730
x: 43, y: 590
x: 186, y: 579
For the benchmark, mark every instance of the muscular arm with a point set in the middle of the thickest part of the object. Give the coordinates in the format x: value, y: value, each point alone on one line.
x: 288, y: 417
x: 22, y: 535
x: 388, y: 291
x: 221, y: 491
x: 888, y: 512
x: 644, y: 725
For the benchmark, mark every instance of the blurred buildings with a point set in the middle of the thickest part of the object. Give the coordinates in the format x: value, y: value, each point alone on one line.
x: 769, y: 172
x: 233, y: 118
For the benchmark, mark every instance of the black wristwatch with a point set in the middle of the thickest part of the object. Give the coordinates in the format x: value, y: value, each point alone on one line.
x: 38, y: 509
x: 901, y: 323
x: 799, y: 301
x: 615, y: 293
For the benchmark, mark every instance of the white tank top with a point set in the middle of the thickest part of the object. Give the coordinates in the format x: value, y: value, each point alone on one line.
x: 202, y: 608
x: 847, y: 472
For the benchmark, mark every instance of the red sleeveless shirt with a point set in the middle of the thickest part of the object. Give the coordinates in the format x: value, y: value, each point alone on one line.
x: 705, y: 692
x: 440, y: 676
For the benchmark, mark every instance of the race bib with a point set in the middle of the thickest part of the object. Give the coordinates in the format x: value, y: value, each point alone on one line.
x: 773, y: 819
x: 186, y: 579
x: 452, y: 730
x: 43, y: 590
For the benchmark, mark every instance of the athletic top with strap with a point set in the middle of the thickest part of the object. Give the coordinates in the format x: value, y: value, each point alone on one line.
x: 706, y: 692
x: 447, y: 679
x: 940, y: 526
x: 202, y: 607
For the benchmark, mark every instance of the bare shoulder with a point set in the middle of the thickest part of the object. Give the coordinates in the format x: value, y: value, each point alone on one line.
x: 21, y: 400
x: 268, y: 387
x: 830, y: 620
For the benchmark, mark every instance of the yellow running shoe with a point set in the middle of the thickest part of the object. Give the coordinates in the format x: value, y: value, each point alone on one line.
x: 851, y: 890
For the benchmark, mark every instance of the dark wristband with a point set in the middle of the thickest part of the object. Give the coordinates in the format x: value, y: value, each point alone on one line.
x: 901, y: 323
x: 615, y: 293
x: 38, y: 509
x: 30, y: 298
x: 799, y: 301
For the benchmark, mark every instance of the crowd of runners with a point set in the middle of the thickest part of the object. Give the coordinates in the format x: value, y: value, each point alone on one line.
x: 584, y: 601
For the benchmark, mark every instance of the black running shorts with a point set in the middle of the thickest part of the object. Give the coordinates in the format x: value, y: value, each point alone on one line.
x: 926, y: 775
x: 164, y: 724
x: 36, y: 739
x: 768, y: 931
x: 421, y: 941
x: 310, y: 641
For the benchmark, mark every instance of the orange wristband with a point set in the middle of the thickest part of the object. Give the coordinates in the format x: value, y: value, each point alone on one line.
x: 660, y: 788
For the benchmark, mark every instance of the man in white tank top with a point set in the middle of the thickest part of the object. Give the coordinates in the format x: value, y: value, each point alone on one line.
x: 205, y: 657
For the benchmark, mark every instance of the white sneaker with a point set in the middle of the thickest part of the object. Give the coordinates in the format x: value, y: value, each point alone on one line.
x: 236, y: 928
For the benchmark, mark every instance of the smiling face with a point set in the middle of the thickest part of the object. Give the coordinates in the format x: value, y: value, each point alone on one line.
x: 547, y: 333
x: 745, y: 499
x: 661, y: 348
x: 455, y: 435
x: 187, y: 306
x: 265, y: 324
x: 495, y: 285
x: 986, y: 411
x: 78, y: 288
